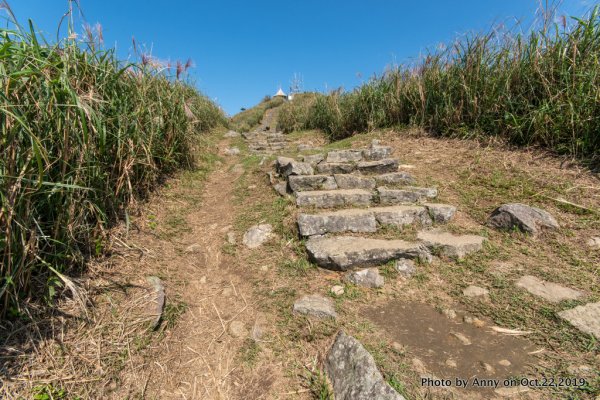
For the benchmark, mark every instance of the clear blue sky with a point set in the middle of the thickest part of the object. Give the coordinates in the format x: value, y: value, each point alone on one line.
x: 243, y: 50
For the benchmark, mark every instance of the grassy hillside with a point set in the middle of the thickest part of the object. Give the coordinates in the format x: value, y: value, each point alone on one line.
x: 248, y: 119
x: 82, y: 137
x: 540, y: 88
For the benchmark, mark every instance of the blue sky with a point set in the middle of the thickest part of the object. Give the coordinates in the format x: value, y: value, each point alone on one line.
x: 244, y: 50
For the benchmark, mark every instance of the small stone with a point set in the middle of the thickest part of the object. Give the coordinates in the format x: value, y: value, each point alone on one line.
x: 369, y: 277
x: 231, y: 239
x: 281, y: 188
x: 405, y: 267
x: 315, y: 305
x: 488, y: 368
x: 260, y: 327
x: 449, y: 313
x: 337, y: 290
x: 194, y: 248
x: 257, y: 235
x: 418, y: 366
x: 594, y: 243
x: 264, y: 268
x: 251, y: 187
x: 549, y: 291
x: 475, y: 291
x: 398, y: 348
x: 461, y: 338
x: 237, y: 329
x: 440, y: 213
x: 203, y: 280
x: 505, y: 363
x: 473, y: 321
x: 232, y: 151
x: 523, y: 217
x: 451, y: 363
x: 586, y: 318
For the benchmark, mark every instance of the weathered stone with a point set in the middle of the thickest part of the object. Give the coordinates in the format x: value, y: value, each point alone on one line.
x: 523, y: 217
x: 354, y: 374
x: 313, y: 159
x: 549, y: 291
x: 440, y: 213
x: 376, y: 153
x: 231, y: 134
x: 461, y: 338
x: 238, y: 329
x: 288, y: 166
x: 405, y: 267
x: 451, y: 245
x: 231, y: 239
x: 401, y: 215
x: 299, y: 183
x: 337, y: 290
x: 257, y: 235
x: 344, y: 156
x: 342, y: 253
x: 334, y: 198
x: 397, y: 196
x: 394, y: 179
x: 594, y: 243
x: 347, y: 181
x: 281, y: 188
x: 232, y: 151
x: 368, y: 277
x: 425, y: 192
x: 315, y: 305
x: 378, y: 167
x: 351, y: 220
x: 193, y: 248
x: 586, y: 318
x: 159, y: 300
x: 335, y: 168
x: 505, y: 363
x: 475, y: 291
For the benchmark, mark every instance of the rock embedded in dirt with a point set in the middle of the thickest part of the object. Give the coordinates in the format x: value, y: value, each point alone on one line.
x: 343, y: 156
x: 440, y: 213
x: 377, y: 152
x: 594, y: 243
x: 257, y: 235
x: 405, y: 267
x: 316, y: 306
x: 475, y: 291
x: 158, y: 299
x: 378, y: 167
x: 281, y: 188
x: 586, y: 318
x: 288, y: 166
x: 450, y: 245
x: 338, y: 290
x: 335, y: 168
x: 342, y: 253
x: 231, y: 134
x: 505, y: 363
x: 237, y: 329
x: 193, y: 248
x: 449, y: 313
x: 368, y: 277
x: 348, y: 181
x: 301, y: 183
x: 353, y: 372
x: 232, y: 151
x: 401, y: 215
x: 231, y: 239
x: 549, y: 291
x: 523, y: 217
x: 461, y: 338
x: 313, y: 159
x: 394, y: 179
x: 334, y: 198
x: 350, y: 220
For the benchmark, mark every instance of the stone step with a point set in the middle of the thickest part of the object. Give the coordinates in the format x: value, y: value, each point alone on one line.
x: 447, y: 244
x: 409, y: 194
x: 361, y: 220
x: 343, y: 156
x: 288, y: 166
x: 335, y: 168
x: 334, y: 198
x: 378, y: 167
x: 394, y: 178
x: 342, y: 253
x: 302, y: 183
x: 349, y: 181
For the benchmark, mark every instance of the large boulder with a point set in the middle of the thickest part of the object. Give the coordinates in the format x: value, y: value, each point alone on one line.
x: 353, y: 372
x: 523, y: 217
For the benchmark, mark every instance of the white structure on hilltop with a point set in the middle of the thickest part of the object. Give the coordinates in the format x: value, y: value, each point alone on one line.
x: 280, y: 94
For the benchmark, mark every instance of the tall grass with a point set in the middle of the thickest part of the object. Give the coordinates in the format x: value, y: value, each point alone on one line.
x: 82, y: 137
x: 540, y: 88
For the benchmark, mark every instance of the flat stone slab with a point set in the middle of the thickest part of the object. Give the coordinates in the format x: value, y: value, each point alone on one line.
x: 288, y: 166
x: 353, y: 372
x: 352, y: 220
x: 342, y: 156
x: 334, y: 198
x: 401, y: 215
x: 368, y: 277
x: 440, y: 213
x: 394, y: 178
x: 451, y: 245
x: 299, y: 183
x: 342, y: 253
x: 398, y: 196
x: 348, y: 181
x: 316, y: 306
x: 313, y: 159
x: 586, y: 318
x: 231, y: 134
x: 549, y: 291
x: 335, y: 168
x: 377, y: 152
x: 378, y: 167
x: 257, y: 235
x: 523, y: 217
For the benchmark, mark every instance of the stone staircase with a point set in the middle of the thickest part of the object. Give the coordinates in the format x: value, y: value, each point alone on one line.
x: 359, y: 191
x: 265, y: 139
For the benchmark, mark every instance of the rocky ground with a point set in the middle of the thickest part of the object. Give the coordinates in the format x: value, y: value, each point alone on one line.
x: 383, y: 266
